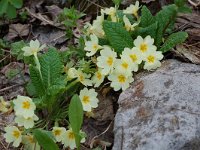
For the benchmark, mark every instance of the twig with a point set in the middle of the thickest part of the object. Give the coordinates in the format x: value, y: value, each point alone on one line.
x: 95, y: 4
x: 41, y: 18
x: 4, y: 58
x: 3, y: 145
x: 10, y: 87
x: 193, y: 3
x: 193, y: 44
x: 102, y: 132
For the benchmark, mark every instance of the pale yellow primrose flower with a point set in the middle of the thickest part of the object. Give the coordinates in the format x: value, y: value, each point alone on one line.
x: 144, y: 45
x: 24, y: 106
x: 92, y: 46
x: 133, y: 9
x: 134, y: 54
x: 72, y: 73
x: 30, y: 143
x: 69, y: 139
x: 58, y: 133
x: 84, y: 78
x: 26, y: 122
x: 120, y: 80
x: 128, y: 25
x: 33, y: 48
x: 88, y: 99
x: 4, y: 106
x: 106, y: 60
x: 125, y: 64
x: 152, y: 60
x: 98, y: 78
x: 97, y: 27
x: 13, y: 134
x: 111, y: 12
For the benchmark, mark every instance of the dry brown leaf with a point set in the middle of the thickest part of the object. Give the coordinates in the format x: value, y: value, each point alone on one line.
x: 54, y: 11
x: 17, y: 30
x: 192, y: 53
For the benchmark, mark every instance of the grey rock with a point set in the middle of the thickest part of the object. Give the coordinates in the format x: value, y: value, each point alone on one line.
x: 161, y: 110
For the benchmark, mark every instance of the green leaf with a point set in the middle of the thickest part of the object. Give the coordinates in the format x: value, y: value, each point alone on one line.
x: 184, y: 9
x: 118, y: 37
x: 51, y: 67
x: 16, y: 49
x: 117, y: 2
x: 173, y: 40
x: 37, y: 81
x: 146, y: 17
x: 16, y: 3
x: 76, y: 117
x: 165, y: 18
x: 30, y: 89
x: 45, y: 140
x: 180, y: 3
x: 3, y: 6
x: 150, y: 30
x: 11, y: 12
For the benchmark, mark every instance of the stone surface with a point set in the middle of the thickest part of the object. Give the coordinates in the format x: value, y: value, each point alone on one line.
x: 161, y: 110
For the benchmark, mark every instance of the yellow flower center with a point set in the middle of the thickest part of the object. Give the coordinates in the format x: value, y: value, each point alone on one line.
x: 128, y: 28
x: 95, y: 46
x: 99, y: 76
x: 110, y: 61
x: 16, y: 134
x: 121, y: 78
x: 151, y: 59
x: 31, y: 140
x: 125, y: 65
x: 86, y: 99
x: 143, y: 47
x: 57, y: 132
x: 81, y: 77
x: 133, y: 57
x: 26, y: 105
x: 71, y: 135
x: 34, y: 50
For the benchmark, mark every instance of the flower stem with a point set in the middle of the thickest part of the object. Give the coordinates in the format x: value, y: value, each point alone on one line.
x: 71, y: 84
x: 38, y: 64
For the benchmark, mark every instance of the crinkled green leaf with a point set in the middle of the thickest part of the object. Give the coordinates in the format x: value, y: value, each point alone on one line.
x: 45, y: 140
x: 55, y: 89
x: 164, y: 18
x: 37, y: 81
x: 11, y: 12
x: 16, y: 3
x: 3, y: 6
x: 173, y: 40
x: 146, y: 17
x: 51, y: 67
x: 76, y: 117
x: 118, y: 37
x: 30, y: 89
x: 149, y: 30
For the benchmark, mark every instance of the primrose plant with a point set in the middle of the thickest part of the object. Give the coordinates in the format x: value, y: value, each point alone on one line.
x: 117, y: 44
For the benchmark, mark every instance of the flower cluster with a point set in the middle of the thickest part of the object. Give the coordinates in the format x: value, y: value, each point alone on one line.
x: 66, y: 137
x: 119, y: 68
x: 24, y: 110
x: 87, y: 96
